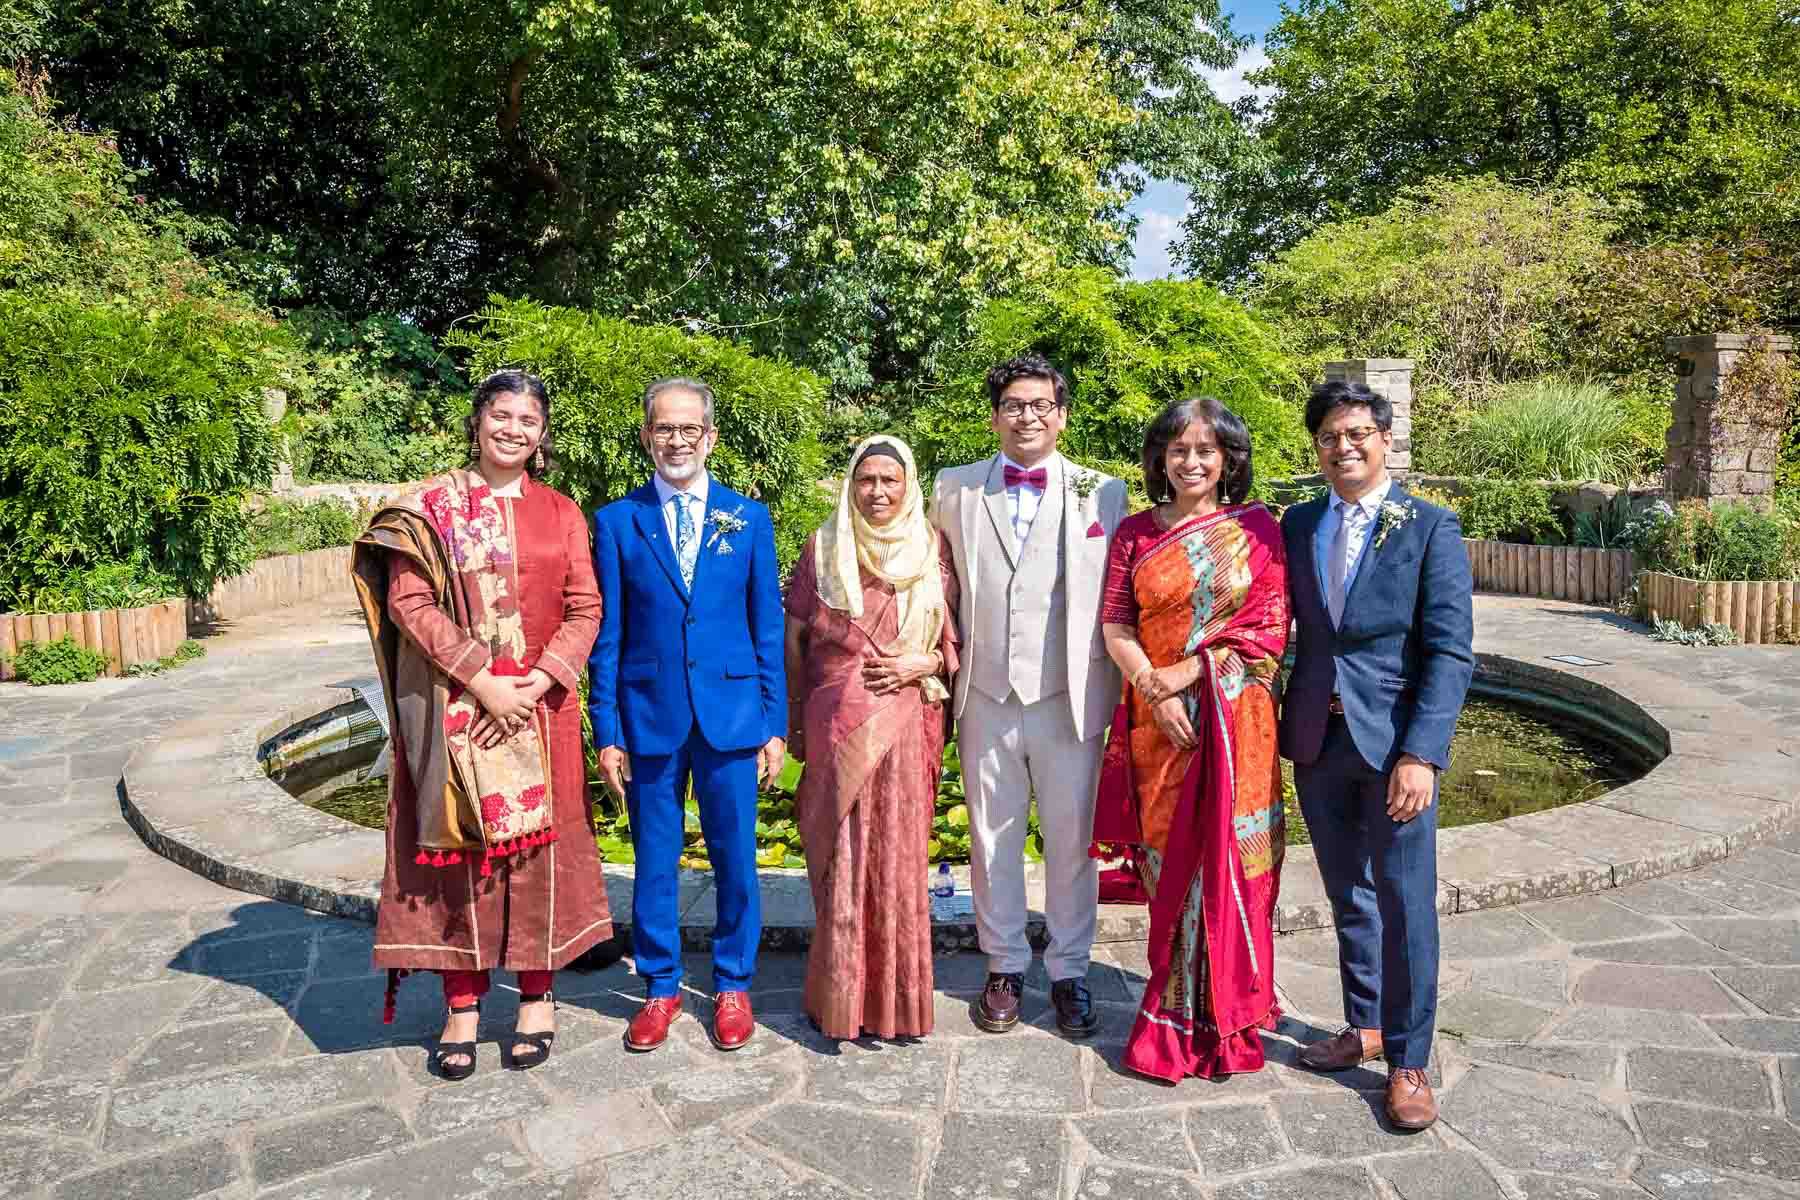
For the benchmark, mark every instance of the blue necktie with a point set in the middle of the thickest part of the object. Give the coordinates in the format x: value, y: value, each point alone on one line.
x: 685, y: 539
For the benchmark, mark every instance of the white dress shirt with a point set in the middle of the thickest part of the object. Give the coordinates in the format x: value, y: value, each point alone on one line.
x: 1022, y: 503
x: 696, y: 491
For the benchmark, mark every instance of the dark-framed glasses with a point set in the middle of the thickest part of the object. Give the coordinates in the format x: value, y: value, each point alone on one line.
x: 664, y: 434
x: 1349, y: 437
x: 1014, y: 409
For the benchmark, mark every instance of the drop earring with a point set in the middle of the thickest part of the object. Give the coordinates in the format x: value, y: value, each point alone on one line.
x: 474, y: 450
x: 538, y: 457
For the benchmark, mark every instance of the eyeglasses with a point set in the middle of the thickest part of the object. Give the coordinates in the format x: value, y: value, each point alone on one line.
x: 668, y: 433
x: 1350, y: 437
x: 1012, y: 410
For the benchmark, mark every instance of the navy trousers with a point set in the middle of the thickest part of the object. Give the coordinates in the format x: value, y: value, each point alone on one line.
x: 724, y: 784
x: 1381, y: 878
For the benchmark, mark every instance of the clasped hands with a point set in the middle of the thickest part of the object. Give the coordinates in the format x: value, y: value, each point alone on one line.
x: 1162, y: 688
x: 507, y: 702
x: 884, y: 674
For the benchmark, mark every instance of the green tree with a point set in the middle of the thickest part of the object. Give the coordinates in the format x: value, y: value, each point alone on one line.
x: 1686, y: 115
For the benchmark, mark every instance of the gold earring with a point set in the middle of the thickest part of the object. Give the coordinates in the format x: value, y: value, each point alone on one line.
x: 474, y: 450
x: 539, y: 457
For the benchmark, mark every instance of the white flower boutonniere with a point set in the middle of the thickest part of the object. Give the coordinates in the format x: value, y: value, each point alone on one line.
x: 1392, y: 516
x: 724, y: 525
x: 1082, y: 483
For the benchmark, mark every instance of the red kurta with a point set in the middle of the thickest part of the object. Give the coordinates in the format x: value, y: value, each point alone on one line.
x: 542, y: 908
x: 865, y: 806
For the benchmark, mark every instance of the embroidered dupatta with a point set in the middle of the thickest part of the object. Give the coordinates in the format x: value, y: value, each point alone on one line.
x: 493, y: 800
x: 1216, y: 588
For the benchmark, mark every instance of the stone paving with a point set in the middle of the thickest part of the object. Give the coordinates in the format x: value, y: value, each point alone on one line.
x: 163, y: 1037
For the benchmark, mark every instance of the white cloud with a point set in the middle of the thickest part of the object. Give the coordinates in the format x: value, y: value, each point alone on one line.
x: 1229, y: 84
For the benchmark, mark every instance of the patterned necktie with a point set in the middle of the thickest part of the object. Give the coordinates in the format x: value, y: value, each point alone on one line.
x: 686, y: 539
x: 1339, y: 566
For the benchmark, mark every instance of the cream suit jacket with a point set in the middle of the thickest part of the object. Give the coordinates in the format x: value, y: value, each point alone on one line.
x: 968, y: 505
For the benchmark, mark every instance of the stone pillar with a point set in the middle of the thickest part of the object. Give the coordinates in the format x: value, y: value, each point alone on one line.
x: 1392, y: 378
x: 1720, y: 451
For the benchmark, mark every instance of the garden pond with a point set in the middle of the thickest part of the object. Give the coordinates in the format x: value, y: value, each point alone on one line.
x: 1507, y: 759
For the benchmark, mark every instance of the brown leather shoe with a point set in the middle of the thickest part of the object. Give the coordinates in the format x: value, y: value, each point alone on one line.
x: 1074, y: 1008
x: 732, y: 1023
x: 650, y: 1028
x: 1351, y: 1048
x: 998, y: 1009
x: 1410, y: 1104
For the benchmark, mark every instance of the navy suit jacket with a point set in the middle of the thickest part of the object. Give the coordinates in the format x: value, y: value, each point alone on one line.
x: 667, y: 659
x: 1402, y: 660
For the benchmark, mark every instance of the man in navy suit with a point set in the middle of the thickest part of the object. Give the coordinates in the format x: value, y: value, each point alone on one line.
x: 688, y: 686
x: 1382, y: 599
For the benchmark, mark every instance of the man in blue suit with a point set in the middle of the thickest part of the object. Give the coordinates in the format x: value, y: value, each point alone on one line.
x: 688, y: 686
x: 1382, y: 599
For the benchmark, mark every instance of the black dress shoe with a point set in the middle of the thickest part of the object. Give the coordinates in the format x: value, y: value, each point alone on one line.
x: 998, y: 1009
x: 1074, y: 1008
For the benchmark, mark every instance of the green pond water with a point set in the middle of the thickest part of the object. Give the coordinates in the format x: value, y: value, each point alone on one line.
x: 1505, y: 761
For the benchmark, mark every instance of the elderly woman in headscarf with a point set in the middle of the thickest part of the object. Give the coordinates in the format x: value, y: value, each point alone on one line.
x: 870, y: 651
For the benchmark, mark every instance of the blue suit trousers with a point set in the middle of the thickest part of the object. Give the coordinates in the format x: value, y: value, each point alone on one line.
x: 1381, y: 878
x: 724, y: 785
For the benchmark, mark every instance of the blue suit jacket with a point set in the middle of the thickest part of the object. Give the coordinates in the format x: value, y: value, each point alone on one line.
x: 1402, y: 660
x: 667, y: 659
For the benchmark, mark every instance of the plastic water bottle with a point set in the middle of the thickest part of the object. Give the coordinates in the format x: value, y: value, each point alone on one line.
x: 943, y: 884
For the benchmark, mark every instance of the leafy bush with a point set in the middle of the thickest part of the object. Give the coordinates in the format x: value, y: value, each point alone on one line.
x: 1507, y: 510
x: 124, y: 434
x: 1605, y: 528
x: 1704, y: 635
x: 187, y: 652
x: 61, y: 661
x: 1561, y: 430
x: 596, y: 369
x: 375, y: 400
x: 1483, y: 284
x: 1718, y: 542
x: 295, y: 526
x: 129, y: 584
x: 1128, y: 349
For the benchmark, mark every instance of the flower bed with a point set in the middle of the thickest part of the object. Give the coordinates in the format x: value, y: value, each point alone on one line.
x: 1579, y: 573
x: 1759, y: 612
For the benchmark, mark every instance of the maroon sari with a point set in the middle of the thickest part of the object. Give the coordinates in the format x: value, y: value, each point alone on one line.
x: 864, y: 807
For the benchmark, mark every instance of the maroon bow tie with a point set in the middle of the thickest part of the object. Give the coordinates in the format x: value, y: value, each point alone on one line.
x: 1037, y: 477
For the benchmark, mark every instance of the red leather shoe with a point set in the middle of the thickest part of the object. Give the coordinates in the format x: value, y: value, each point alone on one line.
x: 732, y: 1022
x: 650, y: 1028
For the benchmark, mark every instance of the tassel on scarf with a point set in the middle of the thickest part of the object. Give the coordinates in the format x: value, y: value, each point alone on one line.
x: 391, y: 1000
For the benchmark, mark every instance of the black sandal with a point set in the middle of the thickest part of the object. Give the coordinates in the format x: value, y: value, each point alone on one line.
x: 446, y: 1050
x: 539, y: 1042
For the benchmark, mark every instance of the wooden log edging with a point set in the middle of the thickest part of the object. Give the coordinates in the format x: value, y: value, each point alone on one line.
x: 130, y: 636
x: 1579, y: 573
x: 1759, y: 612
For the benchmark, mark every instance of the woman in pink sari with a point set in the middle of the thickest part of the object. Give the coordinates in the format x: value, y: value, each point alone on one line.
x: 870, y: 651
x: 1196, y: 615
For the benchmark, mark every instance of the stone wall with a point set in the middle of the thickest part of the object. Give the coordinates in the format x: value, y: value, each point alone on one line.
x: 1720, y: 447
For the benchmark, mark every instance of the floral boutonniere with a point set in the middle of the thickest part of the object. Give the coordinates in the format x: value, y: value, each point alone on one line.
x: 1082, y: 483
x: 724, y: 525
x: 1393, y: 515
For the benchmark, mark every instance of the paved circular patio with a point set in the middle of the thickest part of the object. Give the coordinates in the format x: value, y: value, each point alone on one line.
x: 162, y: 1036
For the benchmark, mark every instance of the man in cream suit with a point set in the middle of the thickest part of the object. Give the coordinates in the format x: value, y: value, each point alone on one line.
x: 1034, y: 697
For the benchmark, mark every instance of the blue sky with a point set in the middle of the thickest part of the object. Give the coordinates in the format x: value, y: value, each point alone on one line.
x: 1162, y: 205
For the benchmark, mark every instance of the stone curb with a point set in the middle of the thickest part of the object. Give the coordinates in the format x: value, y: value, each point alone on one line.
x: 1726, y: 779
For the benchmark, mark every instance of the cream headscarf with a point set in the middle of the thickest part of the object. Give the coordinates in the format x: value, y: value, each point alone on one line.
x: 903, y: 553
